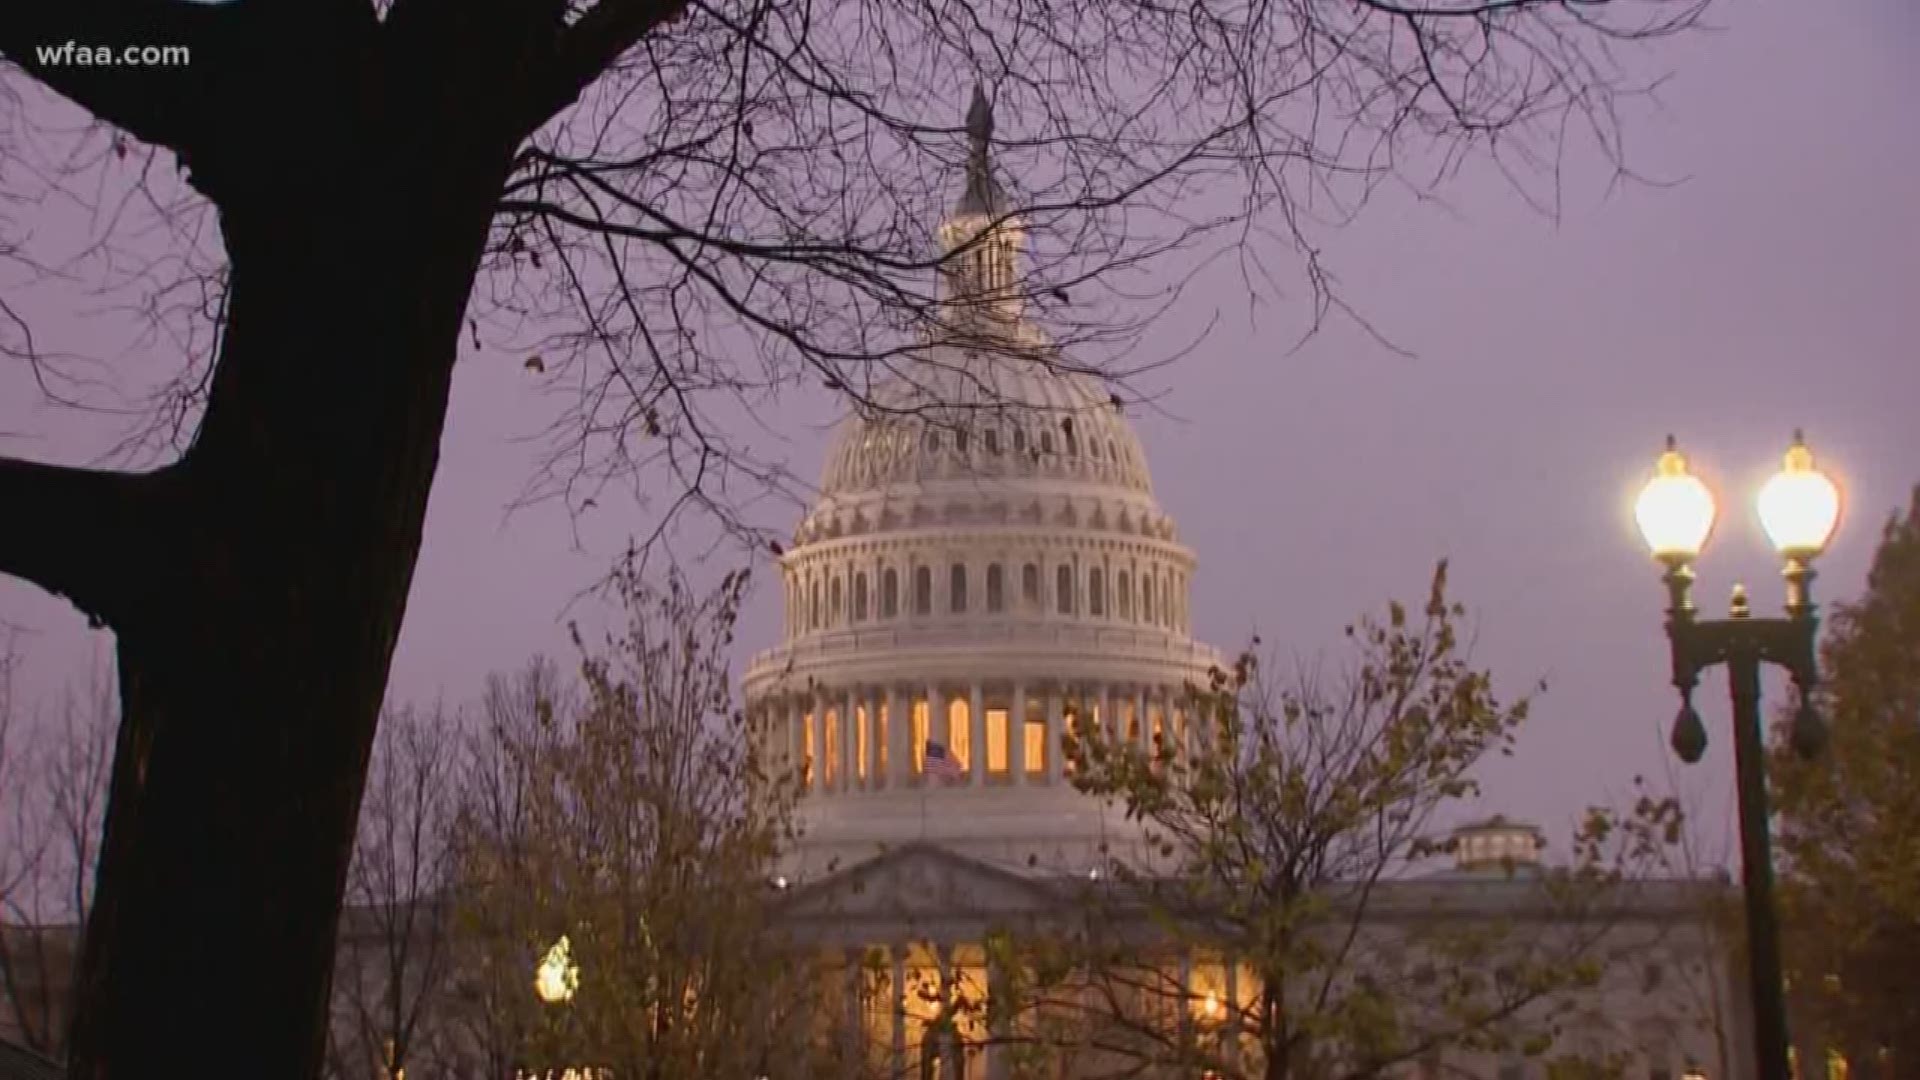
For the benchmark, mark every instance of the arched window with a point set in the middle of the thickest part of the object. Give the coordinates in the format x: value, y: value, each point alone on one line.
x: 813, y: 606
x: 1146, y: 597
x: 1112, y: 454
x: 1072, y: 445
x: 833, y: 602
x: 957, y: 589
x: 993, y: 440
x: 1019, y: 440
x: 860, y: 597
x: 930, y: 440
x: 1030, y: 585
x: 996, y: 588
x: 1093, y: 449
x: 960, y: 440
x: 1046, y: 440
x: 922, y: 591
x: 890, y: 593
x: 1123, y: 594
x: 1096, y: 592
x: 1063, y: 589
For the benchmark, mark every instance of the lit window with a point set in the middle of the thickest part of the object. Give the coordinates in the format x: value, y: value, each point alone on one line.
x: 997, y: 745
x: 1036, y: 747
x: 959, y: 738
x: 922, y: 709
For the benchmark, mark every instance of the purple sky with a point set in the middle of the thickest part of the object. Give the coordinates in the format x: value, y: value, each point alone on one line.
x: 1773, y: 285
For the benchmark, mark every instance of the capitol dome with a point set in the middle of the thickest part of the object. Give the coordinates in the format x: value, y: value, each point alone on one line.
x: 985, y: 570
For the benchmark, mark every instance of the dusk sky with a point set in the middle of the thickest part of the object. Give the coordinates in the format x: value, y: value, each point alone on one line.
x: 1764, y: 277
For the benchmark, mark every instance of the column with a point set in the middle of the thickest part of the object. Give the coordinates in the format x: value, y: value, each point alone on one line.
x: 816, y: 720
x: 1108, y: 722
x: 849, y: 741
x: 1232, y: 1052
x: 1056, y: 703
x: 899, y: 750
x: 795, y: 719
x: 997, y: 1047
x: 977, y: 735
x: 856, y: 1033
x: 899, y: 954
x: 1186, y: 997
x: 1144, y: 739
x: 1017, y: 733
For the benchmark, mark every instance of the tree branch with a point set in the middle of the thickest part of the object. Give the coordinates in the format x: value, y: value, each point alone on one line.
x: 590, y: 46
x: 68, y: 531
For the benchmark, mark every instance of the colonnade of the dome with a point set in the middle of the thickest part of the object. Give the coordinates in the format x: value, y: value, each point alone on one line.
x: 1061, y: 575
x: 874, y: 736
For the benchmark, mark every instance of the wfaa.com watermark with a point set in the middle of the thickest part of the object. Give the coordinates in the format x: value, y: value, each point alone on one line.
x: 74, y: 54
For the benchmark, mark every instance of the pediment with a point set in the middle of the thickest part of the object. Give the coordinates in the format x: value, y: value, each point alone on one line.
x: 919, y: 881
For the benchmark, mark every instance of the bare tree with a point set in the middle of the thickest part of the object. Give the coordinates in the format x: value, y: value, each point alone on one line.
x: 392, y: 976
x: 53, y: 780
x: 493, y: 1009
x: 1290, y: 930
x: 637, y: 874
x: 695, y: 204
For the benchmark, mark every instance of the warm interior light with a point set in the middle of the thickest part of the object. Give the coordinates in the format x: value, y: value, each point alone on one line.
x: 1800, y: 505
x: 1675, y: 510
x: 558, y: 976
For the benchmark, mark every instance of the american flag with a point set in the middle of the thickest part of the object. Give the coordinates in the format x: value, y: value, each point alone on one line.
x: 940, y: 763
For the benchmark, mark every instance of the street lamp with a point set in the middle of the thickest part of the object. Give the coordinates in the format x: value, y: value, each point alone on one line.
x: 1799, y: 508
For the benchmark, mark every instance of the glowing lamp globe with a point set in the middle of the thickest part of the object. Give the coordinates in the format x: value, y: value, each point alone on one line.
x: 1800, y: 505
x: 557, y: 977
x: 1675, y: 510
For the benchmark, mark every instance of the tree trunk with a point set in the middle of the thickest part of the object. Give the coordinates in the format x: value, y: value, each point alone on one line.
x: 254, y: 656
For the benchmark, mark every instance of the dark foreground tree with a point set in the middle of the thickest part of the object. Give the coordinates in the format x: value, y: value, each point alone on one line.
x: 697, y: 203
x: 1850, y: 829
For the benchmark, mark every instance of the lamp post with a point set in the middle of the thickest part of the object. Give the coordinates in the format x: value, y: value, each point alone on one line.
x: 1799, y: 508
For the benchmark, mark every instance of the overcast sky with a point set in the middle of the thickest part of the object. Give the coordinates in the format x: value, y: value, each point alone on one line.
x: 1769, y: 281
